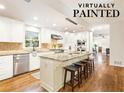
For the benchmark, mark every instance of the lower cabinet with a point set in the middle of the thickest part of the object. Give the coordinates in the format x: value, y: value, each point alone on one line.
x: 6, y: 67
x: 34, y: 62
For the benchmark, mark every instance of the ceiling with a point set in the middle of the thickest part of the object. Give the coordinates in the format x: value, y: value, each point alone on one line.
x: 101, y: 30
x: 51, y: 14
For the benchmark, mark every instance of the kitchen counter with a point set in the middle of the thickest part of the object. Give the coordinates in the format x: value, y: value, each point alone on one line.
x: 5, y: 53
x: 62, y: 57
x: 12, y: 52
x: 52, y: 68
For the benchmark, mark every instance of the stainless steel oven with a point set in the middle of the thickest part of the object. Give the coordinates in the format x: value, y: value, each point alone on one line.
x: 21, y: 63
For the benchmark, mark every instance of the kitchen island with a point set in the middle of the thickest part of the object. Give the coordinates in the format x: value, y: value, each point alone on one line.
x: 52, y: 69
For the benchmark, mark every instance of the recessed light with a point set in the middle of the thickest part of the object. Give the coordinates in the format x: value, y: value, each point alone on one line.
x: 54, y: 24
x: 66, y: 33
x: 35, y: 25
x: 35, y: 18
x: 2, y: 7
x: 74, y: 31
x: 92, y: 29
x: 66, y: 28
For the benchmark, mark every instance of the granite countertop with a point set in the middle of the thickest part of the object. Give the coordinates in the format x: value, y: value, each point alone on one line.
x: 12, y: 52
x: 4, y: 53
x: 63, y: 56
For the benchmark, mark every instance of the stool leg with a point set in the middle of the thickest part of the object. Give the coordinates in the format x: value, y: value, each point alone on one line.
x: 81, y: 75
x: 84, y: 72
x: 72, y: 80
x: 65, y: 78
x: 79, y: 79
x: 87, y: 70
x: 93, y: 66
x: 90, y: 68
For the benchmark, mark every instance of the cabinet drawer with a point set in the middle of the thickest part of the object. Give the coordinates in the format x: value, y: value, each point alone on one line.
x: 6, y: 70
x: 6, y: 59
x: 6, y: 66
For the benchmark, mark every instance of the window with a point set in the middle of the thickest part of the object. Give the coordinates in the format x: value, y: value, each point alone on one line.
x: 32, y: 37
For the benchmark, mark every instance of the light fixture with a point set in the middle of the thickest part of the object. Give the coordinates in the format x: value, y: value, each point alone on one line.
x: 74, y: 31
x: 54, y: 24
x: 35, y: 25
x: 66, y: 33
x: 35, y: 18
x: 2, y: 7
x: 92, y: 29
x: 66, y: 28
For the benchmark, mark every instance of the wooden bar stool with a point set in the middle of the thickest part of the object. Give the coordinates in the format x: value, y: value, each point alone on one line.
x: 72, y: 69
x: 82, y: 70
x: 86, y: 66
x: 91, y: 63
x: 91, y: 59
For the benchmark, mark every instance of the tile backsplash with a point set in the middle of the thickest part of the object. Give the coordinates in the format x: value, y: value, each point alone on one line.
x: 45, y: 45
x: 5, y: 46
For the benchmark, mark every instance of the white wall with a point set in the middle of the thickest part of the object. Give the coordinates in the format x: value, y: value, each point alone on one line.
x: 117, y: 44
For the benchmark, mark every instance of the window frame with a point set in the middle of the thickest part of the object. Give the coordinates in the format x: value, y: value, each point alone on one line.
x: 38, y: 31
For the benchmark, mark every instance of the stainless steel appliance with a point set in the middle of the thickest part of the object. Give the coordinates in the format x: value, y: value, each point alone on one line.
x: 21, y: 63
x: 56, y: 37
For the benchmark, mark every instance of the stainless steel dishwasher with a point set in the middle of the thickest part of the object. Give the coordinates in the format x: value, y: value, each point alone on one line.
x: 21, y: 63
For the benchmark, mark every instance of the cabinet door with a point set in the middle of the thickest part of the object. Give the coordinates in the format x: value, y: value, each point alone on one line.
x: 17, y: 34
x: 6, y: 67
x: 45, y: 36
x: 4, y: 30
x: 11, y: 30
x: 34, y: 62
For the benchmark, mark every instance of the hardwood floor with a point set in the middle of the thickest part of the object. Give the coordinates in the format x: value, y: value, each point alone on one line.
x: 105, y: 78
x: 22, y: 83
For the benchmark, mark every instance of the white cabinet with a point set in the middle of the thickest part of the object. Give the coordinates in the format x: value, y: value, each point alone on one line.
x: 6, y: 67
x: 4, y: 29
x: 11, y: 30
x: 17, y: 32
x: 45, y: 36
x: 34, y: 62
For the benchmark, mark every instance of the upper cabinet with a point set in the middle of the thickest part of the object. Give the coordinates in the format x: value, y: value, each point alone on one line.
x: 11, y: 30
x: 45, y: 36
x: 4, y: 29
x: 18, y: 33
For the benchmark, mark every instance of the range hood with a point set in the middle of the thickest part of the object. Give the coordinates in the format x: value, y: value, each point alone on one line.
x: 56, y: 37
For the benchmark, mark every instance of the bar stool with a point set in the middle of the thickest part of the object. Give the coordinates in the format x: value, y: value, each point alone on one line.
x: 82, y: 70
x: 91, y: 59
x: 72, y: 69
x: 86, y: 66
x: 91, y: 62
